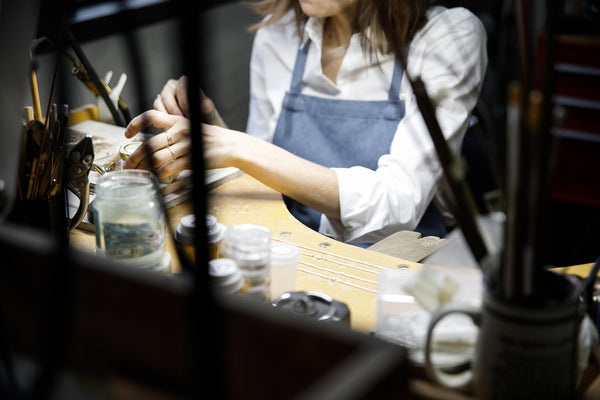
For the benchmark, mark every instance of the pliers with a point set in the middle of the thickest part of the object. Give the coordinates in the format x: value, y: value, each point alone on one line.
x: 79, y: 164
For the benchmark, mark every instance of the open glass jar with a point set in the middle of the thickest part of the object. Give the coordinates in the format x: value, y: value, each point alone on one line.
x: 129, y: 218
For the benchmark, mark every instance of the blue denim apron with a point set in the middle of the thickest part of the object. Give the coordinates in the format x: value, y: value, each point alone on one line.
x: 341, y: 134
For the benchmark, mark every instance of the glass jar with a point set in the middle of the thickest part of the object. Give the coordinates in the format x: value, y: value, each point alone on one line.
x: 129, y: 219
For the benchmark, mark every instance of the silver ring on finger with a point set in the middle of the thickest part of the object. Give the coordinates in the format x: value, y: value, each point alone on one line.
x: 172, y: 153
x: 169, y: 139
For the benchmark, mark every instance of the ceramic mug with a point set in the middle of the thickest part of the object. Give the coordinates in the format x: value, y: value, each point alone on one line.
x: 522, y: 351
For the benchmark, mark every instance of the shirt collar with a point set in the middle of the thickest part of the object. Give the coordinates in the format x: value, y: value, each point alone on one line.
x: 313, y: 30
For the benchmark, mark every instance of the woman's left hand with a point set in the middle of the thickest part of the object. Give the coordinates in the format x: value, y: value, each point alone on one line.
x: 165, y: 153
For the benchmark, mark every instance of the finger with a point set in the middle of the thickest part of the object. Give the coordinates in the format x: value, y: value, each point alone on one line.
x: 169, y: 98
x: 173, y: 167
x: 181, y: 92
x: 158, y: 158
x: 149, y: 118
x: 144, y: 154
x: 158, y: 104
x: 138, y: 159
x: 155, y: 152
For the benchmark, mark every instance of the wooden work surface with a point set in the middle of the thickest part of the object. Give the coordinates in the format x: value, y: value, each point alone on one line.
x: 344, y: 272
x: 347, y: 273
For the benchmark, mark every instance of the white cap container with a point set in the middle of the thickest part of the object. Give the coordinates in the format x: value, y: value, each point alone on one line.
x: 226, y: 276
x: 250, y: 247
x: 284, y: 261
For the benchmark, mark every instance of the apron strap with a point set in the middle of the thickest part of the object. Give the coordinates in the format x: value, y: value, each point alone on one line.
x: 296, y: 85
x: 396, y: 81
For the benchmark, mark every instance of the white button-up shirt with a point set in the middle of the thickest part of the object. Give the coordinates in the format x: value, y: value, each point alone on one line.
x: 448, y: 53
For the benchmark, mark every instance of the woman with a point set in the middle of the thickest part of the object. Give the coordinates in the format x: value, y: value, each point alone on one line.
x: 333, y: 124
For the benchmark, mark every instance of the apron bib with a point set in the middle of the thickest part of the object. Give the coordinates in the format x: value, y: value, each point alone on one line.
x: 341, y: 134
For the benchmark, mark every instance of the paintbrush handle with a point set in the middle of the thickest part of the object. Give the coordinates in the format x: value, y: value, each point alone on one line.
x: 35, y: 95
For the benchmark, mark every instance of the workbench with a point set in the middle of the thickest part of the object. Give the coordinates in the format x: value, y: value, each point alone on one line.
x: 346, y: 273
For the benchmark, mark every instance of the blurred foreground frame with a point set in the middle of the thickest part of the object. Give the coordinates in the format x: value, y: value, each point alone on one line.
x: 114, y: 322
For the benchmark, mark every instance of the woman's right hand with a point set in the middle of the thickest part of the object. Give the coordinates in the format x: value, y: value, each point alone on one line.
x: 173, y: 99
x: 165, y: 153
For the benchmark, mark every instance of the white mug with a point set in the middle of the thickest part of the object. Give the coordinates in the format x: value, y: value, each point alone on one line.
x: 522, y: 351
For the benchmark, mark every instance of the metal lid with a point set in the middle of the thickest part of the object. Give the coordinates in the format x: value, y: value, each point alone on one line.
x: 314, y: 305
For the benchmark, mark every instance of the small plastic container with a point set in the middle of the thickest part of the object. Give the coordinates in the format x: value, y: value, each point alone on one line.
x: 129, y: 219
x: 398, y: 313
x: 284, y: 260
x: 250, y: 247
x: 226, y: 276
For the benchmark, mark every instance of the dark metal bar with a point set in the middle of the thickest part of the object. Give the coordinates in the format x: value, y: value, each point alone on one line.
x: 461, y: 201
x: 205, y: 321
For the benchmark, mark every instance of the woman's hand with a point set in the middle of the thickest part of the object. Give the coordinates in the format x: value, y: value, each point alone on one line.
x: 165, y: 153
x: 173, y: 99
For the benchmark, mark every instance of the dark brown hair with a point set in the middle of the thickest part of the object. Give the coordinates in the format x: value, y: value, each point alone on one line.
x: 391, y: 23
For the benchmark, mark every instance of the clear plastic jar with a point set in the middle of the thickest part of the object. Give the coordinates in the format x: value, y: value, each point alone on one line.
x: 250, y: 247
x: 129, y: 218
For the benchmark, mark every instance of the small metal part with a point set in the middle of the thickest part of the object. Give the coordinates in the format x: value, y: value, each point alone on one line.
x: 324, y: 245
x: 99, y: 169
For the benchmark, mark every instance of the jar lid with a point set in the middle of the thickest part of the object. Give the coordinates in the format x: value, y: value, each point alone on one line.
x: 248, y: 237
x: 284, y: 254
x: 188, y: 224
x: 225, y: 275
x: 126, y: 149
x: 217, y: 233
x: 185, y: 231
